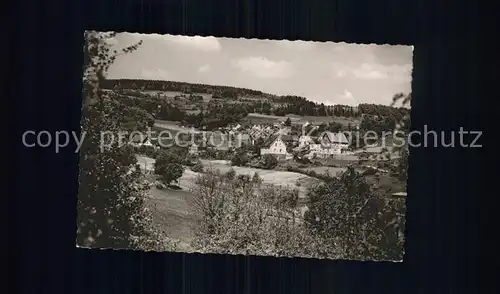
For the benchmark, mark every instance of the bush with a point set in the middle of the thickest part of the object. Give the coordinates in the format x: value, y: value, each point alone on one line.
x: 168, y: 167
x: 239, y: 159
x: 171, y: 173
x: 198, y: 167
x: 230, y: 174
x: 363, y: 222
x: 369, y: 171
x: 112, y: 211
x: 269, y: 161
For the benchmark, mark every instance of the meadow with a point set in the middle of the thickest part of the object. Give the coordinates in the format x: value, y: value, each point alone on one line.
x: 296, y: 119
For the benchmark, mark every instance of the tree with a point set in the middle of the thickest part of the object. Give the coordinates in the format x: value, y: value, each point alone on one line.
x: 363, y: 223
x: 172, y: 172
x: 259, y: 143
x: 256, y: 179
x: 168, y: 167
x: 269, y: 161
x: 111, y: 208
x: 198, y: 167
x: 334, y: 127
x: 239, y: 159
x: 399, y: 167
x: 299, y: 155
x: 288, y: 122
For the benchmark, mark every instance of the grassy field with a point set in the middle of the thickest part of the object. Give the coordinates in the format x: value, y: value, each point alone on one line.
x: 170, y: 125
x: 171, y: 209
x: 326, y: 119
x: 171, y: 212
x: 263, y: 118
x: 323, y: 169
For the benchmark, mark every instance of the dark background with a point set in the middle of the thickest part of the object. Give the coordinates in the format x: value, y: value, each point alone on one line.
x: 446, y: 186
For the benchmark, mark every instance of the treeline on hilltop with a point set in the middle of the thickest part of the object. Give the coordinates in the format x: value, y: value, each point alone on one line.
x: 383, y: 110
x: 187, y: 88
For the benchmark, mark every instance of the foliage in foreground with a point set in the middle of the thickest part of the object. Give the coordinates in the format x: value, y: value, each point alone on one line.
x: 365, y: 224
x: 240, y: 215
x: 345, y: 218
x: 111, y: 202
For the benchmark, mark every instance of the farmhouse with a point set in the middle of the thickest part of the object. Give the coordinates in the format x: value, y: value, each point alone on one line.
x: 321, y: 151
x: 335, y: 140
x: 330, y: 144
x: 277, y: 147
x: 258, y: 131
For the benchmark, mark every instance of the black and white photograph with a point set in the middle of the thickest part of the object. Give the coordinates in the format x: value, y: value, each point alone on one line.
x: 244, y: 146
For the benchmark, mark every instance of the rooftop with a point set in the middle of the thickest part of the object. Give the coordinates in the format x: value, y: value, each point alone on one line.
x: 336, y: 137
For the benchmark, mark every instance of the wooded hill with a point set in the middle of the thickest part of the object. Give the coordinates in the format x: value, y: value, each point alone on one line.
x: 268, y: 104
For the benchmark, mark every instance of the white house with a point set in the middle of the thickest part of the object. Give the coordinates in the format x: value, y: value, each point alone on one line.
x: 331, y: 144
x: 320, y: 151
x: 276, y: 146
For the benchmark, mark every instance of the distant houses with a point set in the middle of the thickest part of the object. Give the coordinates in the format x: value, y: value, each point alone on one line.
x: 328, y: 144
x: 276, y: 146
x: 278, y: 141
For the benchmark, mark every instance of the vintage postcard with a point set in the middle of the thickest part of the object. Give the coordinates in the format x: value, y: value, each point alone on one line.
x: 244, y: 146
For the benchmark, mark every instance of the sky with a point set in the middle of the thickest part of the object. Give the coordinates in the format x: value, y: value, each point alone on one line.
x: 323, y: 72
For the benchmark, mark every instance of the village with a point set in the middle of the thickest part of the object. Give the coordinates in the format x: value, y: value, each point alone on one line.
x: 319, y: 146
x: 277, y: 140
x: 303, y: 159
